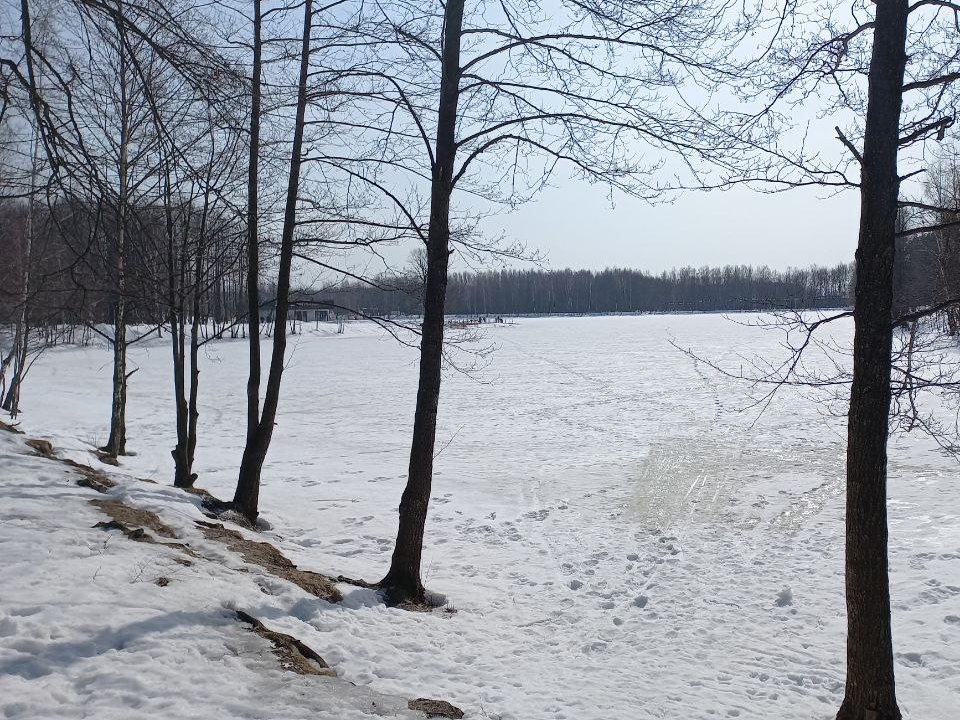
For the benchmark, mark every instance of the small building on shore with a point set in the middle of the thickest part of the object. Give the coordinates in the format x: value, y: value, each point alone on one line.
x: 303, y: 307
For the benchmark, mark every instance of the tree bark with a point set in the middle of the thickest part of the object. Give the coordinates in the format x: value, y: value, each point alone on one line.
x: 870, y: 691
x: 117, y: 442
x: 11, y: 402
x: 21, y: 345
x: 181, y: 472
x: 199, y: 289
x: 402, y: 581
x: 247, y: 496
x: 253, y: 232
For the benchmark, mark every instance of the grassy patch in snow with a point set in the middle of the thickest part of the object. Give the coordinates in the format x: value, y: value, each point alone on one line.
x: 272, y: 560
x: 131, y: 522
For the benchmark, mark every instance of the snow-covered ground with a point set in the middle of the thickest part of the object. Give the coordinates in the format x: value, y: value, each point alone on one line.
x: 93, y: 625
x: 617, y: 541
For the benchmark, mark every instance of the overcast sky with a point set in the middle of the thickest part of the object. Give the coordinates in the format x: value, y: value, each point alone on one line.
x: 576, y: 227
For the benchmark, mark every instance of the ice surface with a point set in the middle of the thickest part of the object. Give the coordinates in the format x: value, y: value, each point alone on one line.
x: 613, y: 535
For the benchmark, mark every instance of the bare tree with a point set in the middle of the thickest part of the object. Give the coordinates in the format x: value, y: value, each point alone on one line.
x: 253, y: 247
x: 891, y: 66
x: 485, y: 101
x: 246, y: 497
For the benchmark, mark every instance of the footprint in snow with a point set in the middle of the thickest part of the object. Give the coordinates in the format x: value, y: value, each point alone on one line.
x: 910, y: 659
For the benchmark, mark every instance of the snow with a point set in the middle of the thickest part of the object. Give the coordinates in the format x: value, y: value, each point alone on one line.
x: 86, y: 631
x: 617, y: 541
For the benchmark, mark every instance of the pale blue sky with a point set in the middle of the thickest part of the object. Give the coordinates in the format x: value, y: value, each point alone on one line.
x: 576, y: 227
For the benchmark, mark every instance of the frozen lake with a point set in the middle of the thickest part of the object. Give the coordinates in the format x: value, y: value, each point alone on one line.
x: 618, y: 540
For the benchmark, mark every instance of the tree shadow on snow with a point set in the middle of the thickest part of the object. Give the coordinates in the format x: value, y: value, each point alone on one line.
x: 34, y: 663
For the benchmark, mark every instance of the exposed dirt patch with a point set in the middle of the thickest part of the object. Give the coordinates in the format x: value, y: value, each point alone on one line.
x: 294, y: 655
x: 217, y: 509
x: 272, y: 560
x: 106, y: 458
x: 95, y: 481
x: 89, y: 477
x: 131, y: 522
x: 436, y: 708
x: 131, y: 516
x: 204, y: 495
x: 411, y: 606
x: 92, y: 478
x: 393, y: 597
x: 41, y: 447
x: 10, y: 428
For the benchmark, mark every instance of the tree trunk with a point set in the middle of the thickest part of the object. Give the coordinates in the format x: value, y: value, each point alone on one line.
x: 21, y: 344
x: 4, y: 364
x: 11, y: 402
x: 247, y: 496
x: 199, y: 288
x: 402, y: 581
x: 253, y: 233
x: 117, y: 442
x: 181, y: 473
x: 870, y: 692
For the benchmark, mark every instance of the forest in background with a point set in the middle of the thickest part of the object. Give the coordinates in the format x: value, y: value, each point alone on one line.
x: 538, y: 291
x: 163, y: 162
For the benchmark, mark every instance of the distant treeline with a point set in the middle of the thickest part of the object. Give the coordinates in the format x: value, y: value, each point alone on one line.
x: 615, y: 290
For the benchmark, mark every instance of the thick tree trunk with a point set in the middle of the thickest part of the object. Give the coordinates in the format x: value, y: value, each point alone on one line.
x: 247, y: 496
x: 870, y: 692
x: 402, y: 582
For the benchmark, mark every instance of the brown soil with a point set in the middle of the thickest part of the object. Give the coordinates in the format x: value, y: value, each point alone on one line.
x: 131, y: 522
x: 272, y: 560
x: 107, y: 459
x: 10, y: 428
x: 90, y: 478
x: 293, y: 654
x: 436, y: 708
x: 411, y: 606
x: 96, y: 481
x: 131, y: 516
x: 42, y: 447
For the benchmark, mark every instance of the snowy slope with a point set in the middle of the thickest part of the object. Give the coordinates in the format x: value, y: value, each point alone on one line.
x: 86, y: 631
x: 617, y: 540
